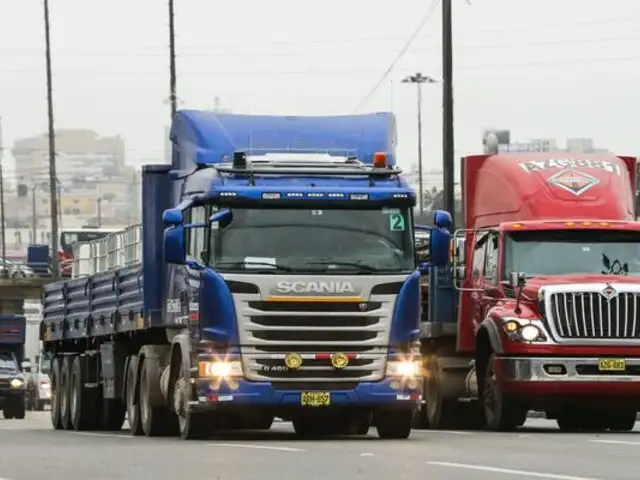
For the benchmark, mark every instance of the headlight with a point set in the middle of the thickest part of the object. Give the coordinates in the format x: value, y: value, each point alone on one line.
x: 530, y: 333
x: 220, y: 368
x: 17, y: 383
x: 406, y: 368
x: 518, y: 330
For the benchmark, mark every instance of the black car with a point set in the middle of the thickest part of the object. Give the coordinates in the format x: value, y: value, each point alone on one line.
x: 12, y: 387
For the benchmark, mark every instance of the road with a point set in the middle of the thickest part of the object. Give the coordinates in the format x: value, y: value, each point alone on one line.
x: 29, y: 450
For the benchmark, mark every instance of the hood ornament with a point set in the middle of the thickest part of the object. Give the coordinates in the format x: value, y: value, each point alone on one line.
x: 609, y: 293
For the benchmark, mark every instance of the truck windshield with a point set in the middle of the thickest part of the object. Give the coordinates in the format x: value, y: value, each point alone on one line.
x: 563, y: 252
x: 306, y: 240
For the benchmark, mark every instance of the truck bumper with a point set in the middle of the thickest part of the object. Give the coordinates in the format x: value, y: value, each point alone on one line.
x: 388, y: 393
x: 567, y: 376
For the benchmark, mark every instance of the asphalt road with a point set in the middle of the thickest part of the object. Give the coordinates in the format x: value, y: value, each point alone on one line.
x: 29, y: 450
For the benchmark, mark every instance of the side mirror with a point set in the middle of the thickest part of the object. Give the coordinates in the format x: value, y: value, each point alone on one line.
x: 223, y: 217
x: 517, y: 279
x: 174, y: 247
x: 26, y: 366
x: 459, y: 244
x: 442, y: 219
x: 424, y: 267
x: 460, y: 273
x: 173, y: 217
x: 439, y: 245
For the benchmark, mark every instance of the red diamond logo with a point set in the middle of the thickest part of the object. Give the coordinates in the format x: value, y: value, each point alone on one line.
x: 573, y: 181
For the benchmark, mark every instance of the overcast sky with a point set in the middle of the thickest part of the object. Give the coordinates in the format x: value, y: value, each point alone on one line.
x: 543, y: 68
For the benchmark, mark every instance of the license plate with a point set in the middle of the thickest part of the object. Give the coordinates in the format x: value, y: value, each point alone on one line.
x: 315, y: 399
x: 612, y: 365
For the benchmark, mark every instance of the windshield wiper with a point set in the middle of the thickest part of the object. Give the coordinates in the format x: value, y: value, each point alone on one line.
x: 360, y: 266
x: 247, y: 266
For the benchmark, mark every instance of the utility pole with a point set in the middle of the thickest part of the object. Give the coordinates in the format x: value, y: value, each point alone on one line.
x: 5, y: 270
x: 34, y: 215
x: 53, y: 190
x: 418, y: 79
x: 448, y: 152
x: 99, y: 213
x: 172, y: 61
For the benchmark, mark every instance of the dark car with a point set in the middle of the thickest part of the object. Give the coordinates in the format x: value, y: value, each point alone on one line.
x: 12, y: 387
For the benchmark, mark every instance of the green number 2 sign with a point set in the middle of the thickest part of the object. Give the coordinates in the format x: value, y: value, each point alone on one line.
x: 397, y: 223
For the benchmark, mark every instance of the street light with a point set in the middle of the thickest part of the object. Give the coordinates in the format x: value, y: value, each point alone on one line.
x: 418, y: 79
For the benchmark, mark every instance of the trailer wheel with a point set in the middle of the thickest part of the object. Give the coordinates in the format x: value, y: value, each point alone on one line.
x: 82, y: 400
x: 502, y: 413
x: 65, y: 392
x: 55, y: 394
x: 394, y: 424
x: 155, y: 421
x: 133, y: 403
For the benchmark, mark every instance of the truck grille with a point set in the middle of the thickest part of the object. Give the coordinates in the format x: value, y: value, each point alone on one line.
x: 590, y: 315
x: 314, y: 330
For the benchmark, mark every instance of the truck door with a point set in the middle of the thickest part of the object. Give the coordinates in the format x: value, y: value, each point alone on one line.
x: 184, y: 303
x: 490, y: 279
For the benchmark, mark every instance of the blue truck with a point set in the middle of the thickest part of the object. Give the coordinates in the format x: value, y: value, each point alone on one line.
x: 273, y: 276
x: 12, y: 382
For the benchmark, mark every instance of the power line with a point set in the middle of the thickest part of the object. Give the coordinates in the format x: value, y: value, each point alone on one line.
x: 339, y: 41
x: 423, y: 21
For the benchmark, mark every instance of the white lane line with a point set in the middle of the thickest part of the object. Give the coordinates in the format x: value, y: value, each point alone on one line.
x: 362, y: 455
x: 104, y: 435
x: 616, y: 442
x: 522, y: 473
x: 257, y: 447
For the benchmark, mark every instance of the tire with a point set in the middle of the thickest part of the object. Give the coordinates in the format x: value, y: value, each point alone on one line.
x: 439, y: 413
x: 622, y: 421
x: 19, y: 409
x: 155, y: 421
x: 502, y: 412
x: 55, y: 393
x: 7, y: 412
x: 65, y: 392
x: 394, y: 424
x: 192, y: 426
x: 82, y: 400
x: 133, y: 404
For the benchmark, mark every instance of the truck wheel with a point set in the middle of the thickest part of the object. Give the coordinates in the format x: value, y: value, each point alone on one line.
x: 155, y: 421
x: 394, y: 424
x: 133, y: 405
x: 65, y: 391
x: 55, y: 394
x: 622, y: 421
x: 502, y: 413
x: 193, y: 426
x: 439, y: 413
x: 81, y: 399
x: 7, y: 412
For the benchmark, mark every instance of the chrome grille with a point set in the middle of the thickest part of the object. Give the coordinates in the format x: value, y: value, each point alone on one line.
x: 315, y: 330
x: 590, y: 315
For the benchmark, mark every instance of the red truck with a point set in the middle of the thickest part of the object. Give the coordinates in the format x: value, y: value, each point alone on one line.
x: 544, y: 283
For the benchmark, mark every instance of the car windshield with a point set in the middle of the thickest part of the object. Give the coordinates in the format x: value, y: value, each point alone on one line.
x: 311, y: 240
x: 564, y: 252
x: 7, y: 361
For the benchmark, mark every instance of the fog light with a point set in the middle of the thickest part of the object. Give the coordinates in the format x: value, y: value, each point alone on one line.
x: 17, y: 383
x: 220, y: 369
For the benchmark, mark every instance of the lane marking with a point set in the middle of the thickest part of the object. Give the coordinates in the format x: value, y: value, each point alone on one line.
x: 616, y: 442
x: 509, y: 471
x: 362, y: 455
x: 257, y: 447
x: 446, y: 432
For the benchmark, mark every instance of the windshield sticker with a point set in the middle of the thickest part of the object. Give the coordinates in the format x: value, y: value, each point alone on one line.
x: 540, y: 165
x: 573, y: 181
x: 396, y: 222
x: 390, y: 210
x: 316, y: 212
